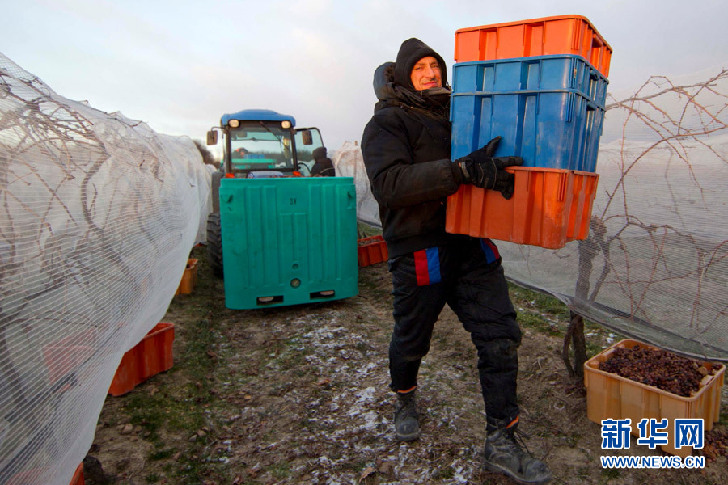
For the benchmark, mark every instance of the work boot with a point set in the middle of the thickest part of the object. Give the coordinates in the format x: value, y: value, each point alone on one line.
x: 406, y: 419
x: 504, y: 454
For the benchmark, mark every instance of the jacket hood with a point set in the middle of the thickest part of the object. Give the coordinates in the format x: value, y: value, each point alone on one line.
x: 319, y: 153
x: 383, y: 81
x: 411, y: 51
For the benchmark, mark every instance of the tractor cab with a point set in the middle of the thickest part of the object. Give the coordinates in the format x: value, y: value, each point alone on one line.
x: 307, y: 140
x: 263, y: 144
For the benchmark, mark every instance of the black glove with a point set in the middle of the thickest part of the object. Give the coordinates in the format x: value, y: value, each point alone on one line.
x: 482, y: 170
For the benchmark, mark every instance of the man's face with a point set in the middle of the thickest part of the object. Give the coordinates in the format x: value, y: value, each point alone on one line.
x: 426, y: 74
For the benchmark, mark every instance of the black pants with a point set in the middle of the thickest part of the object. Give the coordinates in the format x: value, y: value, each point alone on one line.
x: 468, y: 277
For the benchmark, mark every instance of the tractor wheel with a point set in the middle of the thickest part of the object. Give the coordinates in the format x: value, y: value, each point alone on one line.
x: 214, y: 243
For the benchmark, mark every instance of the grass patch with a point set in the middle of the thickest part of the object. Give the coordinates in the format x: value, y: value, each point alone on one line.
x: 539, y: 323
x: 549, y: 315
x: 540, y: 311
x: 592, y: 348
x: 178, y: 409
x: 538, y: 301
x: 611, y: 473
x: 280, y: 470
x: 723, y: 419
x: 445, y: 474
x: 161, y: 454
x: 160, y: 411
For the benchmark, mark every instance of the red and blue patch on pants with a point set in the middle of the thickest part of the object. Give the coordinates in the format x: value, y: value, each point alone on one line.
x: 427, y: 266
x: 490, y: 250
x: 427, y: 262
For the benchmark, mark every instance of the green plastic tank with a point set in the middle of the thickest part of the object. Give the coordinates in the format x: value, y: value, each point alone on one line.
x: 288, y: 241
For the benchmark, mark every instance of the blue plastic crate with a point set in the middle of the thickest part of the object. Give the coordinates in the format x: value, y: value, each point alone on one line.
x: 541, y: 73
x: 554, y: 129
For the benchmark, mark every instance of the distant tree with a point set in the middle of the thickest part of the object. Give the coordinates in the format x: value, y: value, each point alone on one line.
x: 207, y: 155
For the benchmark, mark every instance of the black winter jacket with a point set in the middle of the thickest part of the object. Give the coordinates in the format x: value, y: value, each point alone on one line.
x: 406, y: 151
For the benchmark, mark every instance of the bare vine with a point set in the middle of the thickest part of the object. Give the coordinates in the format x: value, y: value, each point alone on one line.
x: 677, y: 120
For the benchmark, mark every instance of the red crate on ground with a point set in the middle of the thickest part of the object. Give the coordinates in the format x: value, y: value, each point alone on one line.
x: 562, y: 34
x: 189, y: 278
x: 152, y: 355
x: 372, y: 250
x: 549, y: 207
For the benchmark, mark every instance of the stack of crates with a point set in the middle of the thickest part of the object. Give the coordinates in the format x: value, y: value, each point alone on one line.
x: 541, y: 85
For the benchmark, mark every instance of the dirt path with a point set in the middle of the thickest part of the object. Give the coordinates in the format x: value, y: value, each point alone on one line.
x: 299, y: 395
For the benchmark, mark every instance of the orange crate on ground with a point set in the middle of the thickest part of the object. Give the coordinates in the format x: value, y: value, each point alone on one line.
x: 563, y: 34
x: 66, y: 356
x: 610, y: 396
x: 372, y: 250
x: 549, y: 207
x: 152, y: 355
x: 189, y: 278
x: 78, y: 476
x: 34, y: 476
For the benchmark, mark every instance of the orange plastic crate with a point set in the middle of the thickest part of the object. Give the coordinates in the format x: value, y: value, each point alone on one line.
x: 189, y: 278
x: 34, y: 476
x: 549, y: 207
x: 611, y: 396
x: 67, y: 355
x: 584, y: 191
x: 372, y: 250
x: 127, y: 374
x: 78, y: 476
x: 563, y: 34
x: 152, y: 355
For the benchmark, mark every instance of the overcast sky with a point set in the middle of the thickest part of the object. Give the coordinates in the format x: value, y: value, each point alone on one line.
x: 179, y: 65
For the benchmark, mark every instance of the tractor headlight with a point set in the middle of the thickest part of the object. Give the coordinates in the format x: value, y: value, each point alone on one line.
x: 234, y: 123
x: 285, y: 124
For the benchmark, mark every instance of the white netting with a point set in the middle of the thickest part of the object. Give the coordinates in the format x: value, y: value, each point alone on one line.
x: 655, y: 266
x: 98, y: 215
x: 349, y: 163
